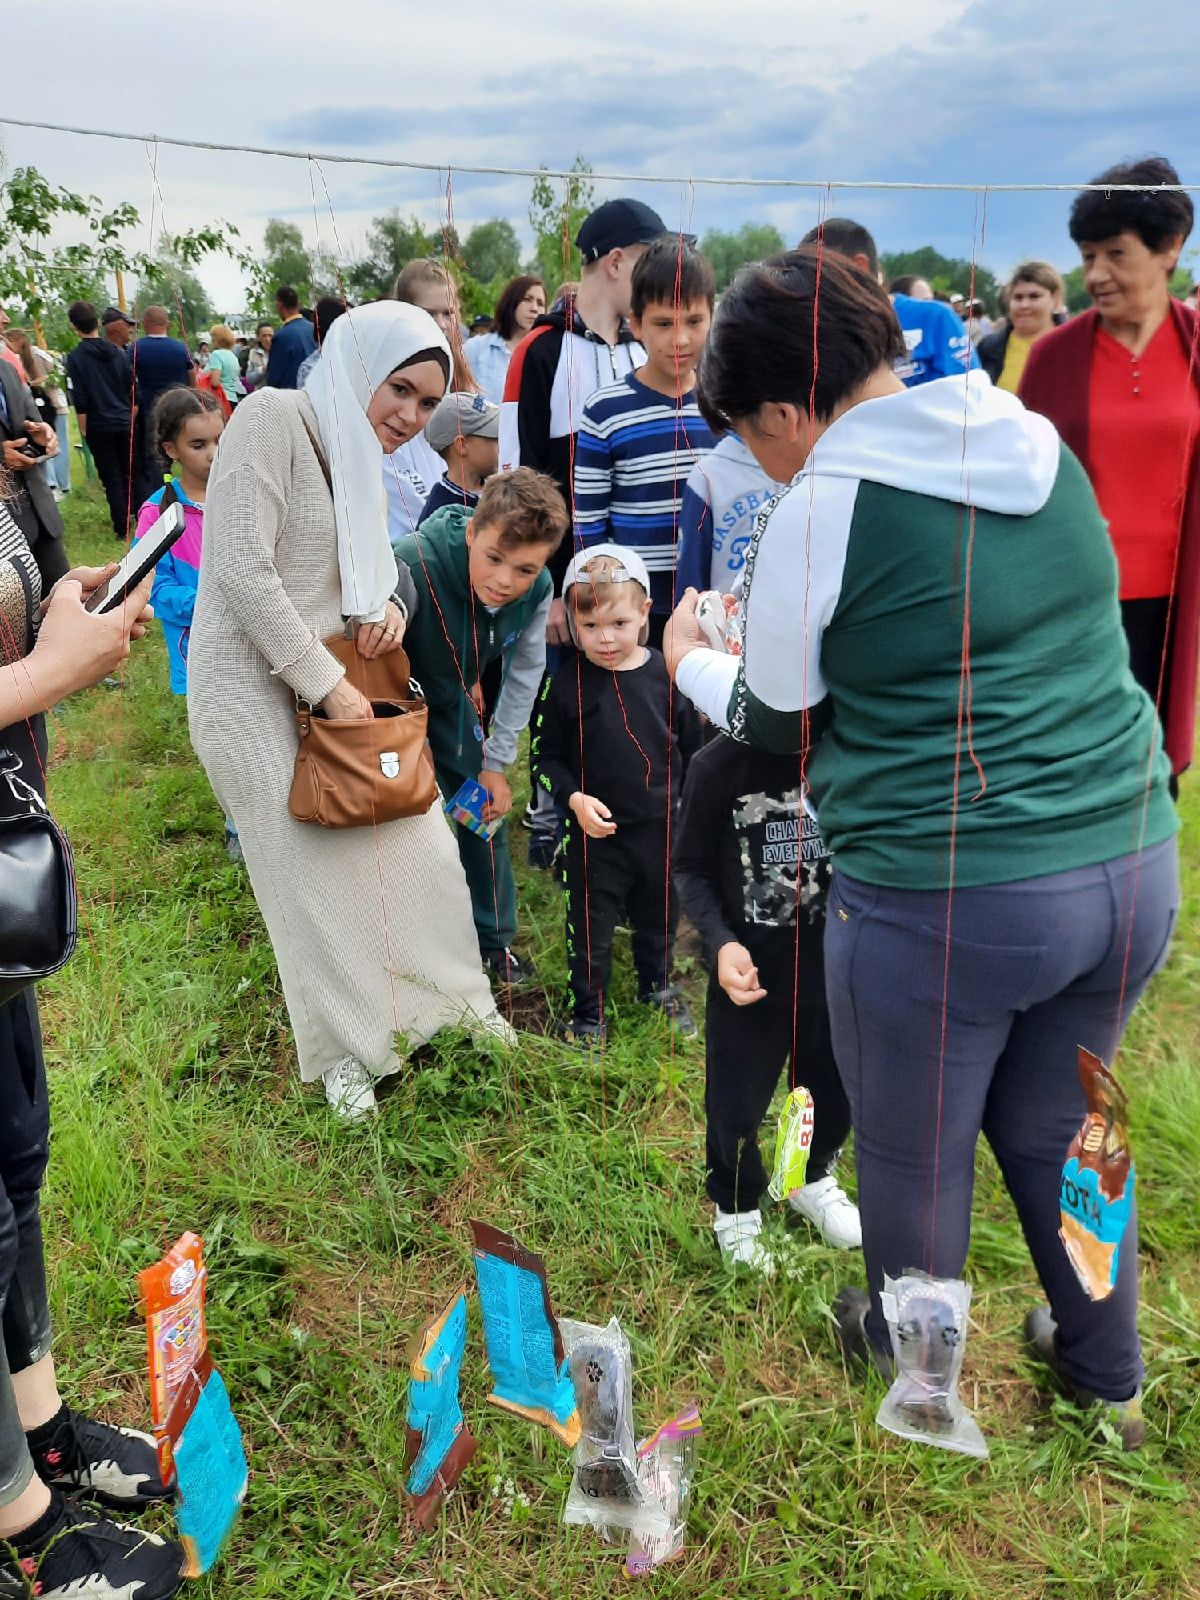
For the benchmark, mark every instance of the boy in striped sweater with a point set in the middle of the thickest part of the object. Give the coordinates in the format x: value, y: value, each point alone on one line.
x: 639, y: 438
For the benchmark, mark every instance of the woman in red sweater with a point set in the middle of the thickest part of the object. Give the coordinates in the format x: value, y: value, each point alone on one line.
x: 1121, y: 383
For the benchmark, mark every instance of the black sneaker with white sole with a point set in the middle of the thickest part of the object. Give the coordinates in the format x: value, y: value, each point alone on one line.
x: 507, y: 965
x: 81, y: 1556
x: 116, y: 1466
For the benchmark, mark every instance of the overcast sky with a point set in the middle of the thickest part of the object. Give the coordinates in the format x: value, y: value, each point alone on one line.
x: 999, y: 91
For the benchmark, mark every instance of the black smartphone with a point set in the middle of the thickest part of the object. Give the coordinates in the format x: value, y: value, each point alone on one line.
x: 141, y: 557
x: 31, y: 447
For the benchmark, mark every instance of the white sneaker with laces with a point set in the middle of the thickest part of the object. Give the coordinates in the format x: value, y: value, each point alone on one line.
x: 350, y: 1089
x: 831, y: 1211
x: 740, y: 1245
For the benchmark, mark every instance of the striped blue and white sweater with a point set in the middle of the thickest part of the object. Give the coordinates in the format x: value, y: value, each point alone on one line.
x: 635, y: 452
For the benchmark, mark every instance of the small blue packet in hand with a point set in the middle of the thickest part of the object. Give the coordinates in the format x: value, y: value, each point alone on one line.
x: 524, y: 1343
x: 466, y: 807
x: 439, y: 1442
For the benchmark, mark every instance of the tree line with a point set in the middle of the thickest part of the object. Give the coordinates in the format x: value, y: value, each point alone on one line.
x: 43, y: 279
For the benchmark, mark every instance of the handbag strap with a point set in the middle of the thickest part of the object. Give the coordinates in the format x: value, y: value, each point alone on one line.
x: 317, y: 451
x: 23, y: 793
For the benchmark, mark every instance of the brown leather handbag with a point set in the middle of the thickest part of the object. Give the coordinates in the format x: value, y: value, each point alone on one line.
x: 352, y: 774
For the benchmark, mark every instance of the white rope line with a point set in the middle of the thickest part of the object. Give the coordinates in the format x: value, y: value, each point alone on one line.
x: 599, y: 177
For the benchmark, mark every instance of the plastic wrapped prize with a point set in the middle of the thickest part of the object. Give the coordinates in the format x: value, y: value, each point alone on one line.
x: 927, y: 1319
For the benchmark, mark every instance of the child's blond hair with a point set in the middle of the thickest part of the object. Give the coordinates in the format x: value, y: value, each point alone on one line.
x: 596, y: 587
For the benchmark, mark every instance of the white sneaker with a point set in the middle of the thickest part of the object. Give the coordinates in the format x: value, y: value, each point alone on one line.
x: 738, y: 1237
x: 831, y: 1211
x: 350, y: 1089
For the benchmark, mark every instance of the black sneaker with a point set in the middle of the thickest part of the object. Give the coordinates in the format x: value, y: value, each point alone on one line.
x: 673, y: 1006
x: 1125, y: 1415
x: 850, y: 1307
x: 583, y: 1035
x: 543, y: 848
x: 84, y: 1555
x: 509, y: 968
x: 116, y: 1466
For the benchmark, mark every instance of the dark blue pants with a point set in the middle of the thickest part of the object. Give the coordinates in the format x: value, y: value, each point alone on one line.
x: 1035, y: 971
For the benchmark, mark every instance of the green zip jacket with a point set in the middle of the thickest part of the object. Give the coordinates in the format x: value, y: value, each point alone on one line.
x: 451, y: 638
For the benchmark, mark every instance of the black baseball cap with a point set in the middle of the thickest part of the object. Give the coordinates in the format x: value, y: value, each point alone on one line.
x: 615, y: 225
x: 115, y: 314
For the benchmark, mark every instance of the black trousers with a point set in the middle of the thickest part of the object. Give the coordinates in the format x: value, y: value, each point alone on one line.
x: 111, y: 453
x: 603, y: 878
x: 24, y: 1150
x: 746, y: 1049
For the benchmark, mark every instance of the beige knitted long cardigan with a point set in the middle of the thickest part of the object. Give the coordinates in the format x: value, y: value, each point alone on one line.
x: 371, y: 927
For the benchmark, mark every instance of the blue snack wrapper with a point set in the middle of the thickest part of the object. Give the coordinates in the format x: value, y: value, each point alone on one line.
x: 1098, y: 1182
x: 439, y: 1442
x: 466, y: 806
x: 211, y: 1473
x: 524, y: 1343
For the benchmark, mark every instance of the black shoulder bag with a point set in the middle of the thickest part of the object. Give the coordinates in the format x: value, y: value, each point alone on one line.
x: 39, y: 907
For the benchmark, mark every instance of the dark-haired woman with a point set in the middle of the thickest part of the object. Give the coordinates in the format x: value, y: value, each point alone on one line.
x: 1121, y: 383
x: 960, y: 695
x: 371, y: 927
x: 522, y: 302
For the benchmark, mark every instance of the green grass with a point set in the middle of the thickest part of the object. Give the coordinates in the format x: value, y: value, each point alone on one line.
x: 177, y: 1105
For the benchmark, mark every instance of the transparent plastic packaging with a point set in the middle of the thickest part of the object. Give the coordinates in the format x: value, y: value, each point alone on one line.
x: 1098, y: 1179
x: 606, y: 1491
x: 793, y: 1141
x: 927, y: 1319
x: 666, y: 1466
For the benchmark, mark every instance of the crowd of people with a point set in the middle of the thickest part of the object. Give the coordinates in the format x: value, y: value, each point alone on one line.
x: 960, y: 567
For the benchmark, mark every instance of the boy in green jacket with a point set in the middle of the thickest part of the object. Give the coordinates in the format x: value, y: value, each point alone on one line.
x: 483, y: 594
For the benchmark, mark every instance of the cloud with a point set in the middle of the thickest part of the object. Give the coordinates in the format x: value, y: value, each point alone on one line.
x: 947, y: 91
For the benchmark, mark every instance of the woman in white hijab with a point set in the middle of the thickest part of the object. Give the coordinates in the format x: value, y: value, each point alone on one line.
x: 371, y: 927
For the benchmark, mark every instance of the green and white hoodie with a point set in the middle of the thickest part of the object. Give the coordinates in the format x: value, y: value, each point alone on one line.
x: 941, y: 558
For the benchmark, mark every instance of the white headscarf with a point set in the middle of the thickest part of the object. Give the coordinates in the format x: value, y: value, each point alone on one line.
x: 361, y: 348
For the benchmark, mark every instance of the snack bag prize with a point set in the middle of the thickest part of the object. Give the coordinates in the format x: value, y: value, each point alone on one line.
x: 1098, y: 1181
x: 793, y: 1141
x: 199, y: 1442
x: 605, y: 1490
x: 465, y: 806
x: 927, y: 1320
x: 439, y: 1442
x: 666, y: 1465
x: 524, y: 1342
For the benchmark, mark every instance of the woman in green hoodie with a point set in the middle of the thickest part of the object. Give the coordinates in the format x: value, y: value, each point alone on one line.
x: 931, y: 622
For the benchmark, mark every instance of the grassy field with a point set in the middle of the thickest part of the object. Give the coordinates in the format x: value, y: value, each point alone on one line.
x: 177, y: 1105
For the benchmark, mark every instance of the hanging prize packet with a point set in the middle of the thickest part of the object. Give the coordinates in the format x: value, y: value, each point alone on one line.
x: 524, y: 1343
x: 439, y: 1442
x: 199, y: 1442
x: 792, y: 1144
x: 1098, y: 1180
x: 667, y: 1464
x: 927, y: 1321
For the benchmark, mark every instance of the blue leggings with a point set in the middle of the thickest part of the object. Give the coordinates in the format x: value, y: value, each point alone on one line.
x: 1035, y: 971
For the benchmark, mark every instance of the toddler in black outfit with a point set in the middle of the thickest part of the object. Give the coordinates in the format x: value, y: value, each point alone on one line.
x: 743, y: 838
x: 609, y: 744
